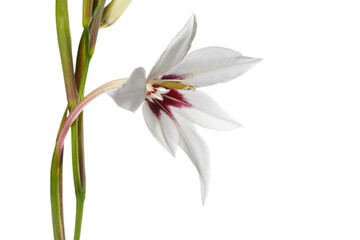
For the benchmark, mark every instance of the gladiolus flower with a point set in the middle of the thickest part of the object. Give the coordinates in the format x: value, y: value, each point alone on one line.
x: 170, y: 102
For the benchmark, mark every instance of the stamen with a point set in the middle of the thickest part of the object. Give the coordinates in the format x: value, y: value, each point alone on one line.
x: 156, y: 88
x: 177, y: 84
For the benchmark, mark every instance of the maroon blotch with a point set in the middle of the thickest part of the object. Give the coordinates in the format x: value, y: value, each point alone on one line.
x: 172, y: 98
x: 175, y: 76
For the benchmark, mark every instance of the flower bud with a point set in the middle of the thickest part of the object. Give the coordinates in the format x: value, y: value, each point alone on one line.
x: 113, y: 11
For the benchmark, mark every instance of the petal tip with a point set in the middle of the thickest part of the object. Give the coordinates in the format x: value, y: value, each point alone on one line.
x: 203, y: 198
x: 172, y: 152
x: 257, y: 60
x: 193, y: 17
x: 204, y: 189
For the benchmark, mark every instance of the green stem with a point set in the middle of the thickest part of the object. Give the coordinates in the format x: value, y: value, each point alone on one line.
x: 56, y: 189
x: 81, y: 152
x: 78, y: 156
x: 79, y: 214
x: 85, y: 52
x: 95, y: 25
x: 80, y: 189
x: 83, y: 77
x: 77, y: 136
x: 87, y: 12
x: 56, y: 196
x: 80, y: 60
x: 64, y: 40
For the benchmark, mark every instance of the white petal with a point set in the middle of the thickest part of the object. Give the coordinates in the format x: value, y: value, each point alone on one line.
x: 162, y: 128
x: 213, y: 65
x: 133, y: 92
x: 205, y: 112
x: 196, y: 149
x: 176, y: 50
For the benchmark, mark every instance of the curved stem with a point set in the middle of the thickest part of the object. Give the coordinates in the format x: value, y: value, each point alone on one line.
x: 56, y: 190
x: 56, y: 195
x: 80, y: 107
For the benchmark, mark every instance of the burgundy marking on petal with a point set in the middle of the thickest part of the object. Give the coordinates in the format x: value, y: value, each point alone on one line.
x: 172, y: 98
x: 176, y: 76
x: 151, y: 92
x: 154, y: 108
x: 175, y: 98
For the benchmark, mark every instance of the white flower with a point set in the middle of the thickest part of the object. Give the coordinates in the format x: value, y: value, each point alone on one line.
x: 171, y: 102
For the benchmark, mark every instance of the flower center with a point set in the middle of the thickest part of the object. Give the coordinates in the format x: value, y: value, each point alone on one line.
x: 171, y: 81
x: 162, y: 94
x: 156, y: 88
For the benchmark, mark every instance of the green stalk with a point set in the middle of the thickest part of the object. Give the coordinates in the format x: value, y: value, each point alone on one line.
x: 78, y: 158
x: 95, y: 25
x: 83, y: 77
x: 64, y: 40
x: 85, y: 52
x: 79, y: 187
x: 56, y: 190
x: 87, y: 12
x: 56, y: 196
x: 79, y: 214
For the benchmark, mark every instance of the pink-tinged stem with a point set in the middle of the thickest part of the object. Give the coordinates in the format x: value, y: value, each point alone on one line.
x: 80, y: 107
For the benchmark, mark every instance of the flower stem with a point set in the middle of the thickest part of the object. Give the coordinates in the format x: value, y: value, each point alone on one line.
x: 83, y: 77
x: 79, y: 214
x: 87, y: 12
x: 56, y: 190
x: 80, y: 107
x: 56, y: 195
x: 78, y: 157
x: 79, y: 187
x: 64, y: 40
x: 82, y: 67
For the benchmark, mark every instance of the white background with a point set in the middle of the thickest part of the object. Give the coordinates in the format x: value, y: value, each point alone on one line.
x: 292, y: 171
